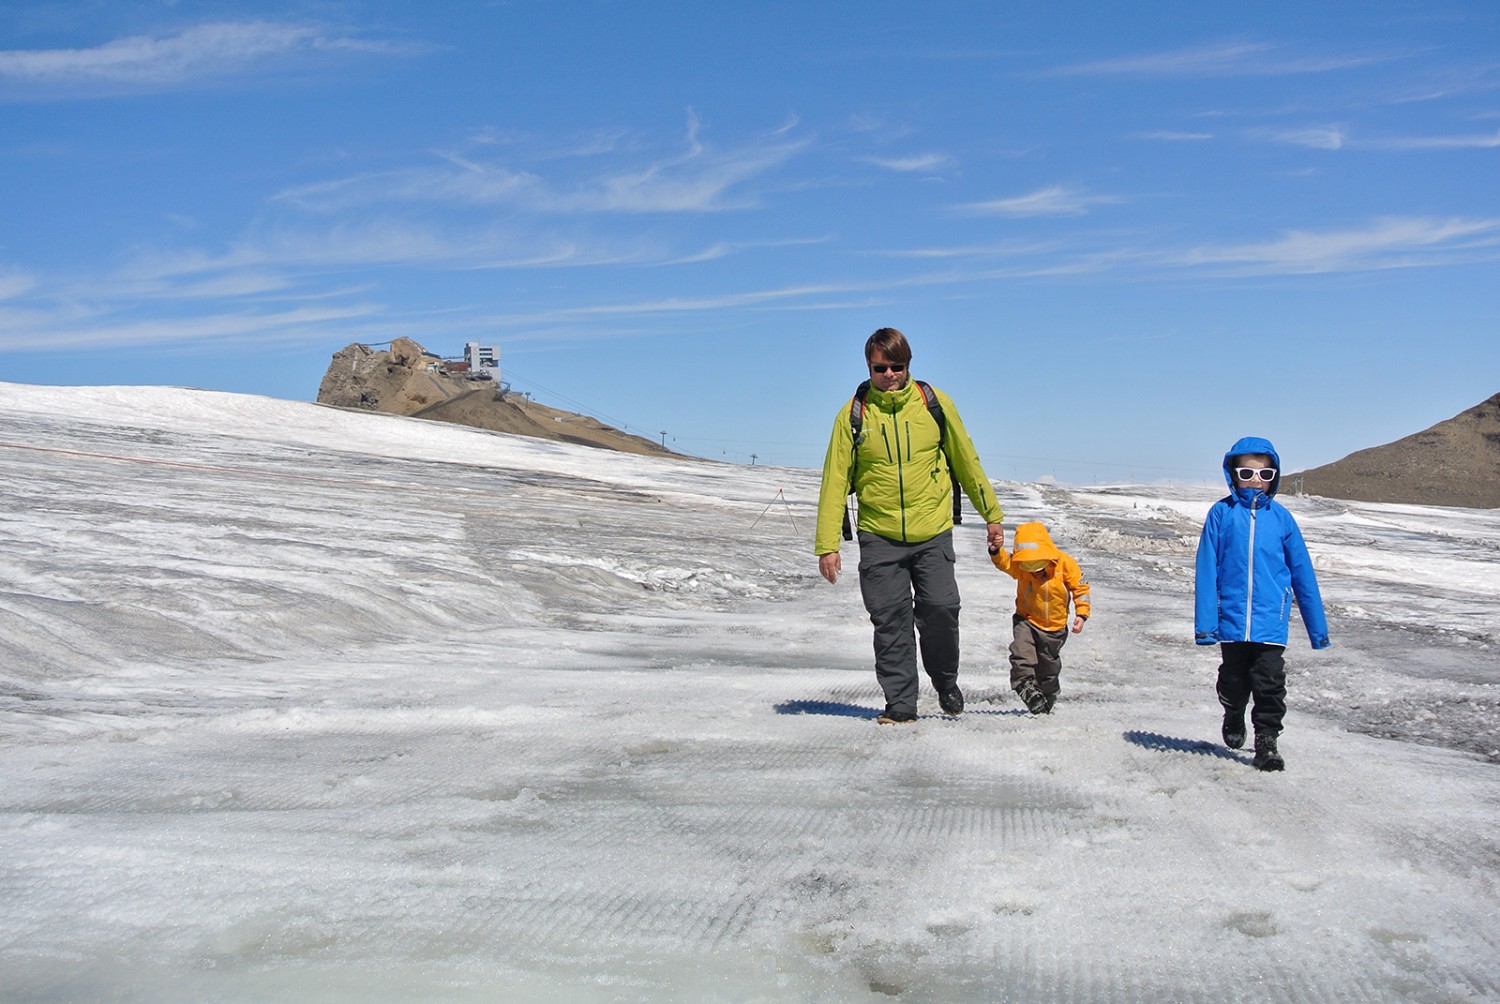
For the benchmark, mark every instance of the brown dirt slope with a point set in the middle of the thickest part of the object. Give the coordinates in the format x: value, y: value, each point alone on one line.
x: 401, y: 381
x: 513, y: 413
x: 1454, y: 463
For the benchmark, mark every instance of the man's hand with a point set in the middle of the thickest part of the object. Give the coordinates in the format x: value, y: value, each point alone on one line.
x: 1078, y: 623
x: 830, y: 565
x: 994, y: 534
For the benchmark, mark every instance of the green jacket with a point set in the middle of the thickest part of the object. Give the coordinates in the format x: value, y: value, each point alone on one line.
x: 900, y: 475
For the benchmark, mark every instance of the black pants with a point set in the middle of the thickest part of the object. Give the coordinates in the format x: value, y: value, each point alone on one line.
x: 910, y: 593
x: 1250, y: 668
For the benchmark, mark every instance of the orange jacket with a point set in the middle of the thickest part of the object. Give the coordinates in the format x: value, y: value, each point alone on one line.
x: 1042, y: 597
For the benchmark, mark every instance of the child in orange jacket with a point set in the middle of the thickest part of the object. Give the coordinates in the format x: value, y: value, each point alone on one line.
x: 1046, y: 579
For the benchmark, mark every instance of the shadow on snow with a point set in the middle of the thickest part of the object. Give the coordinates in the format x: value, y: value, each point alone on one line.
x: 1171, y: 744
x: 839, y: 709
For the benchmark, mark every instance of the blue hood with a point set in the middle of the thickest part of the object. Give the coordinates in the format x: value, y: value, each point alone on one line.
x: 1252, y: 444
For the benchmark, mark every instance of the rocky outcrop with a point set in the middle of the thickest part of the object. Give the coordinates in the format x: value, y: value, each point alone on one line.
x: 396, y: 381
x: 1454, y: 463
x: 406, y: 379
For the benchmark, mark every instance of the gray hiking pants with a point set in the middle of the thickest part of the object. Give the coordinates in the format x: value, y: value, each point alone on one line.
x: 909, y: 591
x: 1035, y: 655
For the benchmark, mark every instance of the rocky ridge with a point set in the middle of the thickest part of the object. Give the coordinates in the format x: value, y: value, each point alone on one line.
x: 406, y: 379
x: 1454, y: 463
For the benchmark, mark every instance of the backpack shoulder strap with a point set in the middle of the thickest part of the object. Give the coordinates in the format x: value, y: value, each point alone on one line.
x: 933, y: 405
x: 857, y: 409
x: 857, y: 424
x: 936, y: 408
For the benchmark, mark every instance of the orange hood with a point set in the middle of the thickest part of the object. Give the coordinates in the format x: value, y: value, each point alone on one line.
x: 1033, y: 543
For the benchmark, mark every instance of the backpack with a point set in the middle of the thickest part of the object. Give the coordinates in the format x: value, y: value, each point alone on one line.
x: 857, y: 422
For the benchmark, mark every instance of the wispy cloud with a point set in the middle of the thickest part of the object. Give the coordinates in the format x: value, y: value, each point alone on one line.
x: 1174, y: 136
x: 870, y: 124
x: 917, y: 163
x: 1477, y: 141
x: 14, y: 283
x: 35, y: 331
x: 685, y: 304
x: 1387, y: 243
x: 1002, y: 249
x: 457, y: 180
x: 1328, y: 137
x: 821, y: 296
x: 1339, y: 138
x: 1055, y: 200
x: 1450, y: 79
x: 597, y: 142
x: 203, y: 53
x: 259, y: 258
x: 723, y: 249
x: 342, y: 246
x: 699, y: 179
x: 1225, y: 59
x: 699, y: 182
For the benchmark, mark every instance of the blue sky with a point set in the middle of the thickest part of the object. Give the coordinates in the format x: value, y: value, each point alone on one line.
x: 1119, y: 241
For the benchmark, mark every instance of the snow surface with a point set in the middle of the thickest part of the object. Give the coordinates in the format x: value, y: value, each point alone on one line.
x: 304, y: 704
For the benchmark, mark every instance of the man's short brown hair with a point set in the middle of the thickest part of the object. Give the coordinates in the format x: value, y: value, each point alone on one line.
x: 891, y: 343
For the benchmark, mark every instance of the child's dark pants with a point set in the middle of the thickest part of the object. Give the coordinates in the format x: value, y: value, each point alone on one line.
x: 1035, y: 655
x: 1250, y: 668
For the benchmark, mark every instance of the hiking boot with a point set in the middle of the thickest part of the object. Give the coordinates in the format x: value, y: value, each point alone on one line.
x: 890, y: 717
x: 952, y: 700
x: 1234, y: 728
x: 1266, y: 757
x: 1051, y: 700
x: 1036, y: 701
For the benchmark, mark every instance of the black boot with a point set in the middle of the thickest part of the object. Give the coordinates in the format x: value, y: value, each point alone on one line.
x: 1266, y: 757
x: 1036, y: 701
x: 1234, y: 728
x: 951, y: 701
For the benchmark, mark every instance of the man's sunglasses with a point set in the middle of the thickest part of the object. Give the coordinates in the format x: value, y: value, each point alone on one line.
x: 1266, y: 474
x: 893, y: 367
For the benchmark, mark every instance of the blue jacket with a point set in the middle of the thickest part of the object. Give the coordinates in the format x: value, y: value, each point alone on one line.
x: 1252, y: 562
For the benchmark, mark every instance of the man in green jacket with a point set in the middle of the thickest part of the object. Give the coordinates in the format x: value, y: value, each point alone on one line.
x: 900, y: 472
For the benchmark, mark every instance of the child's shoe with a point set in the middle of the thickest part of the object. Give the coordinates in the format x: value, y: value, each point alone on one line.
x: 1266, y: 757
x: 1234, y: 728
x: 1036, y: 701
x: 890, y: 717
x: 952, y: 701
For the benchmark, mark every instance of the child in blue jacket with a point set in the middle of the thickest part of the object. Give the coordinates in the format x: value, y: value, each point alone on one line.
x: 1252, y: 562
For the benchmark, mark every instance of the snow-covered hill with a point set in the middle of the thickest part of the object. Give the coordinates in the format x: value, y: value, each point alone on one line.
x: 298, y: 704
